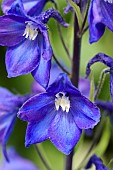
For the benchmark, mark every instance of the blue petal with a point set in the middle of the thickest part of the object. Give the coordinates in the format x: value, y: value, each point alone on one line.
x: 62, y: 84
x: 96, y: 28
x: 100, y: 15
x: 36, y: 88
x: 17, y: 8
x: 84, y: 86
x: 11, y: 101
x: 86, y: 114
x: 7, y: 134
x: 11, y: 30
x: 107, y: 14
x: 38, y: 132
x: 42, y: 73
x: 44, y: 43
x: 9, y: 5
x: 6, y: 5
x: 37, y: 107
x: 23, y: 58
x: 34, y: 7
x: 63, y: 132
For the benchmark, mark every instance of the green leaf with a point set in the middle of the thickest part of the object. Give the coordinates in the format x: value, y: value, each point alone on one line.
x: 77, y: 11
x: 92, y: 88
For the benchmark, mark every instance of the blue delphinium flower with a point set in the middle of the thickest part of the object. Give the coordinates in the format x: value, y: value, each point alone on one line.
x: 17, y: 162
x: 29, y: 49
x: 108, y: 61
x: 97, y: 162
x: 59, y: 114
x: 32, y: 7
x: 9, y: 105
x: 100, y: 16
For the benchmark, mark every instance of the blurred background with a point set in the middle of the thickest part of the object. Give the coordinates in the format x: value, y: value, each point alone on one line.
x: 22, y: 85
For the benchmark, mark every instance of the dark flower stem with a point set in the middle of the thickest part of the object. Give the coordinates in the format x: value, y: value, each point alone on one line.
x: 75, y: 75
x: 42, y: 159
x: 76, y: 54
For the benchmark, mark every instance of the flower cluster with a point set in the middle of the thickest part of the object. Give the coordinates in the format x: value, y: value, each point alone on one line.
x: 55, y: 109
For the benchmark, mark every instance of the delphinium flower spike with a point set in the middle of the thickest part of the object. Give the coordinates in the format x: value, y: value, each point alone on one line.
x: 9, y: 105
x: 100, y: 16
x: 59, y: 114
x: 29, y: 49
x: 108, y: 61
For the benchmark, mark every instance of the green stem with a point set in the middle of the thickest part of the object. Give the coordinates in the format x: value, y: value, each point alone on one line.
x: 41, y: 157
x: 101, y: 81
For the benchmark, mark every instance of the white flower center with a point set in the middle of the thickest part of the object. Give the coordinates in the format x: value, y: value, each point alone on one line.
x: 62, y: 100
x: 109, y: 1
x: 30, y: 31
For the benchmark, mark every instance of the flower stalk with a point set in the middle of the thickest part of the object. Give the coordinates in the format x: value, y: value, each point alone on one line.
x: 75, y: 74
x: 41, y: 157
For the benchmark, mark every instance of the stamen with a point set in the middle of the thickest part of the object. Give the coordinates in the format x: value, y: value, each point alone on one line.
x: 62, y: 100
x: 30, y: 31
x: 109, y: 1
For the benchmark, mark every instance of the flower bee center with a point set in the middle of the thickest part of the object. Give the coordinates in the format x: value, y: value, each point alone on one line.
x: 62, y: 100
x: 30, y: 31
x: 109, y: 1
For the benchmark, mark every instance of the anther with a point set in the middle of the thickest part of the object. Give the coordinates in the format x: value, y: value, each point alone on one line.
x: 30, y: 31
x: 62, y: 100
